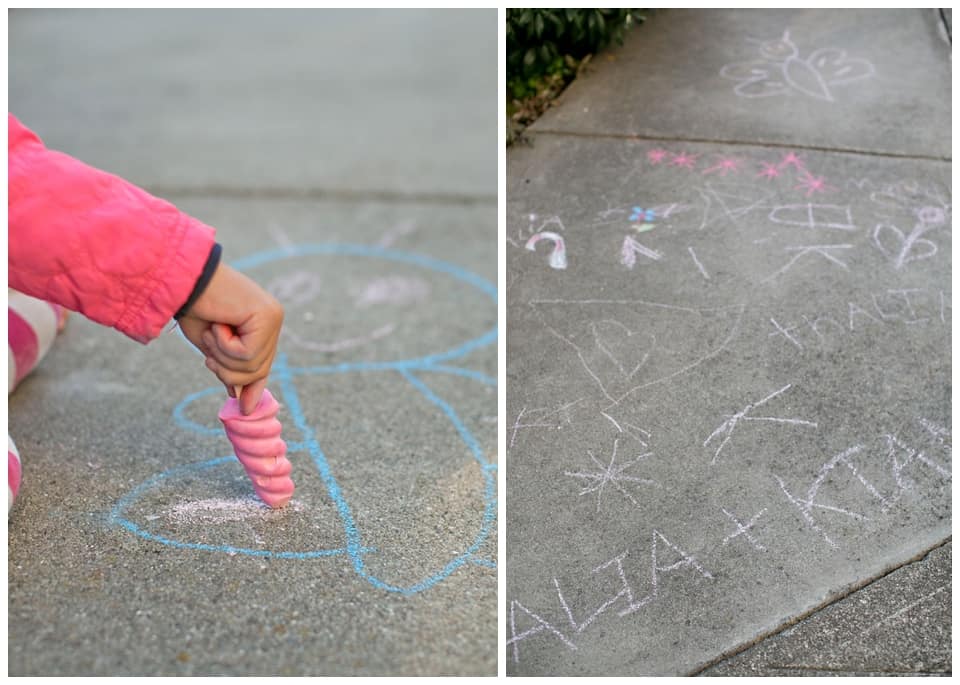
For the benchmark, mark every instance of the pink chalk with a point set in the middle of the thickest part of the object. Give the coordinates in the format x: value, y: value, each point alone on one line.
x: 257, y: 444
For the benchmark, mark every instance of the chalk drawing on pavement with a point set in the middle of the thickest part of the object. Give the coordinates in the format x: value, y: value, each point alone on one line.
x: 781, y: 71
x: 284, y: 381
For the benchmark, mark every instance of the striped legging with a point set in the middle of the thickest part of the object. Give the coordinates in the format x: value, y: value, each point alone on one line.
x: 32, y: 327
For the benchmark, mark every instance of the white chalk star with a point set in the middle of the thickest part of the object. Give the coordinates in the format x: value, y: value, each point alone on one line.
x: 613, y: 474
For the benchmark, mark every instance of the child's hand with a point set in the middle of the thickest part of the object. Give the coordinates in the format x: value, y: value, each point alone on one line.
x: 236, y: 324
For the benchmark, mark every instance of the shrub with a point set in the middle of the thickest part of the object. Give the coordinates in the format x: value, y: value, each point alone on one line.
x: 551, y: 42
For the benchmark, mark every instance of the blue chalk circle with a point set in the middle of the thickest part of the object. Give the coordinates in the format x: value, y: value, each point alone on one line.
x: 284, y: 378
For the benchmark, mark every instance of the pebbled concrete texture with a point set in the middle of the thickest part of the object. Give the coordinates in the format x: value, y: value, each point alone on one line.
x: 876, y: 71
x: 900, y: 624
x: 135, y: 545
x: 729, y: 406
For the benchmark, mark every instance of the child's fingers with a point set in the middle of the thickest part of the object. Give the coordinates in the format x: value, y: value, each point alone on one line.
x: 230, y: 343
x: 230, y: 377
x: 250, y: 396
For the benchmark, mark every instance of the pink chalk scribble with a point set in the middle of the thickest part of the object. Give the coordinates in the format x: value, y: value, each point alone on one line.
x: 724, y: 166
x: 684, y: 160
x: 657, y: 156
x: 791, y: 159
x: 769, y: 170
x: 812, y: 184
x: 558, y: 255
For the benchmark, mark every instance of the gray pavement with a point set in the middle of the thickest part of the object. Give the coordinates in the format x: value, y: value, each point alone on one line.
x: 346, y: 162
x: 728, y: 353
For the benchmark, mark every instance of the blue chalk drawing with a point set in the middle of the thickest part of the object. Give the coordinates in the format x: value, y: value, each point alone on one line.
x: 639, y: 213
x: 285, y: 375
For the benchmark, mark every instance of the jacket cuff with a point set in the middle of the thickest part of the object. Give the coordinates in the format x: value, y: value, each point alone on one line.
x: 213, y: 261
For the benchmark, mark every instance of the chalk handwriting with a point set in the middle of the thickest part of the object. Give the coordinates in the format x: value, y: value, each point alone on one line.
x: 631, y: 248
x: 625, y: 599
x: 727, y: 427
x: 744, y: 530
x: 807, y: 504
x: 902, y: 306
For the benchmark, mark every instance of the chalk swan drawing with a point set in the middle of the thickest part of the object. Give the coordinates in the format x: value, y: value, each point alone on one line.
x: 336, y: 498
x: 781, y: 71
x: 626, y: 346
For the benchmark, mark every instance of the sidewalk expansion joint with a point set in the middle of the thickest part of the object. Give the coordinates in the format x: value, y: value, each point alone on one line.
x: 324, y: 194
x: 744, y: 143
x: 833, y: 599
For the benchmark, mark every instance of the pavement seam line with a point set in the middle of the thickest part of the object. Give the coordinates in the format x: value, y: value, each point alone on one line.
x: 324, y: 194
x: 843, y: 594
x: 740, y: 143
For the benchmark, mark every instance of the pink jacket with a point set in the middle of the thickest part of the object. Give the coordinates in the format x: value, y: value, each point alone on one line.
x: 95, y: 243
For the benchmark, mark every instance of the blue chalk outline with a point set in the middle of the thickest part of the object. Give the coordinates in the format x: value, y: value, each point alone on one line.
x: 285, y: 375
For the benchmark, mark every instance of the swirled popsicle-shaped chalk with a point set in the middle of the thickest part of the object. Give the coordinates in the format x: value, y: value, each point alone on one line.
x: 256, y: 442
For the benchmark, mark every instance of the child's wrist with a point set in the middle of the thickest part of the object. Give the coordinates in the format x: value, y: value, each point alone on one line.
x: 210, y: 268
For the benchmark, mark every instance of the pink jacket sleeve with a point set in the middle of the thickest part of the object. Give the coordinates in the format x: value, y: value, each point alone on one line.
x: 96, y: 244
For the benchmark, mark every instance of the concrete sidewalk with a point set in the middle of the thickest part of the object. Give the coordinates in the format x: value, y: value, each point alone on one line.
x: 728, y: 353
x: 348, y: 164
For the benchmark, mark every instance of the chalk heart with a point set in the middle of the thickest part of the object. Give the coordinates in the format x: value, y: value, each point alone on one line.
x: 891, y: 241
x: 835, y: 67
x: 626, y: 349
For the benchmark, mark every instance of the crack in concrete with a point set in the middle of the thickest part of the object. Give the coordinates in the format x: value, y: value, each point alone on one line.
x: 840, y: 596
x: 741, y: 143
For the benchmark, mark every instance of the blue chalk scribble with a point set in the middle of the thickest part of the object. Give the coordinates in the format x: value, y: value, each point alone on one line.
x: 286, y: 375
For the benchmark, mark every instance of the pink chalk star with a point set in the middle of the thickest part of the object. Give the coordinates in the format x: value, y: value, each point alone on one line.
x: 684, y: 160
x: 657, y: 156
x: 769, y: 170
x: 725, y: 165
x: 791, y: 159
x: 812, y: 184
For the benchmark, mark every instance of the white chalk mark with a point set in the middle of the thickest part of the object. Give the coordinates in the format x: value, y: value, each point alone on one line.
x: 398, y: 290
x: 558, y: 255
x: 806, y: 249
x: 699, y: 265
x: 808, y: 504
x: 339, y: 345
x: 744, y: 530
x: 596, y: 481
x: 541, y: 418
x: 598, y: 340
x: 811, y: 215
x: 541, y: 625
x: 738, y: 311
x: 727, y: 427
x: 901, y: 252
x: 631, y: 248
x: 280, y: 237
x: 580, y: 627
x: 516, y: 426
x: 785, y: 332
x: 610, y: 418
x: 781, y: 71
x: 857, y: 309
x: 399, y: 230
